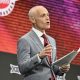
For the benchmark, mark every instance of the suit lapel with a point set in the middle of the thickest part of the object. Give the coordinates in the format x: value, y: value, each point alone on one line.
x: 36, y: 40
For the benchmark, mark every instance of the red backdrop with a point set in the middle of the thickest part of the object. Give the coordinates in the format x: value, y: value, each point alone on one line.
x: 65, y: 28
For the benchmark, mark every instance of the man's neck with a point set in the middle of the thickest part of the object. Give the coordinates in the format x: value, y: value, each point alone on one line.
x: 41, y: 30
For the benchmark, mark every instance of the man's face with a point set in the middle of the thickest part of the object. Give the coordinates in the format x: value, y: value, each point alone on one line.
x: 42, y: 20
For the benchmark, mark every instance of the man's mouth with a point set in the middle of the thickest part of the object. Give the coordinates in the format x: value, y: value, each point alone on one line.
x: 48, y: 22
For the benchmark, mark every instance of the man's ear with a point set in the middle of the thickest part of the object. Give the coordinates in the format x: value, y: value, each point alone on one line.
x: 32, y: 19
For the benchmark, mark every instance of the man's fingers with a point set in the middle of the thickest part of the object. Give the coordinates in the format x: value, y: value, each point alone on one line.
x: 47, y: 51
x: 47, y: 55
x: 48, y: 48
x: 49, y: 45
x: 65, y: 68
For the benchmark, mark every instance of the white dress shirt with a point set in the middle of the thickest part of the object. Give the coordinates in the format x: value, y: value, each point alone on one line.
x: 39, y: 34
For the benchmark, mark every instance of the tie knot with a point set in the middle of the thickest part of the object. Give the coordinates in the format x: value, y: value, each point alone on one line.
x: 45, y: 40
x: 44, y: 36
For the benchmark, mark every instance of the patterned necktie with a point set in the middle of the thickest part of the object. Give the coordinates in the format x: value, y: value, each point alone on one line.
x: 49, y: 57
x: 45, y: 44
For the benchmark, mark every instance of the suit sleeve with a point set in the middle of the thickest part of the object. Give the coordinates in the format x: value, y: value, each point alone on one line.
x: 25, y: 62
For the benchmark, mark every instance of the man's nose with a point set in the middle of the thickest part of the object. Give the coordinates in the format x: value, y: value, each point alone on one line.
x: 47, y: 17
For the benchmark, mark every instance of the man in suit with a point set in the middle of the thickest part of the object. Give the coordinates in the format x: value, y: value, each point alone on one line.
x: 32, y: 55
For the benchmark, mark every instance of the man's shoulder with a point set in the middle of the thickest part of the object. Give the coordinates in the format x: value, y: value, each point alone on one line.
x: 51, y: 38
x: 25, y: 36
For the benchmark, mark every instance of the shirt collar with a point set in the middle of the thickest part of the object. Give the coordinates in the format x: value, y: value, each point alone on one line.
x: 39, y: 33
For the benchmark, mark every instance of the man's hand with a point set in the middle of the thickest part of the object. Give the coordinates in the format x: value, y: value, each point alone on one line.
x: 65, y: 68
x: 46, y: 51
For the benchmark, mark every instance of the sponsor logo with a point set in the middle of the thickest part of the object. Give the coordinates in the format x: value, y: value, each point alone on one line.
x: 6, y: 7
x: 14, y: 69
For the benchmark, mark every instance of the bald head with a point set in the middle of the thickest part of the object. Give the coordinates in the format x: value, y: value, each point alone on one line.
x: 34, y: 10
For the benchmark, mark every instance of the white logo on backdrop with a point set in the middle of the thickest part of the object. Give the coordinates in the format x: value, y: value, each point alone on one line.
x: 14, y: 69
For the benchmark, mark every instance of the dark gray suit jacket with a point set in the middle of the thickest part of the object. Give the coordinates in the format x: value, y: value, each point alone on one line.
x: 30, y: 66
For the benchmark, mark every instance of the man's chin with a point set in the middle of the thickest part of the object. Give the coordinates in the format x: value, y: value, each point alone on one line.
x: 48, y: 27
